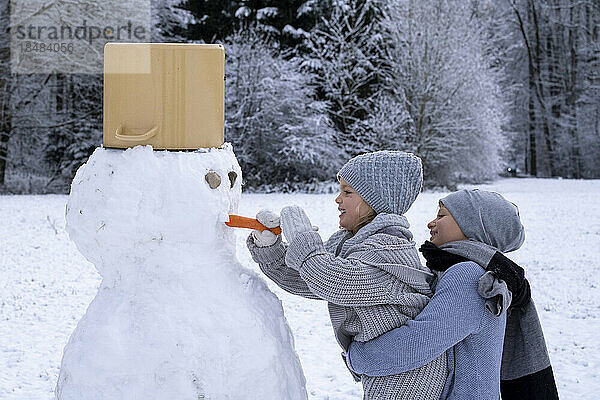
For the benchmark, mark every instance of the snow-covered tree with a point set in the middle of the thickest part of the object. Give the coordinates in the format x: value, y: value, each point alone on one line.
x: 169, y: 20
x: 21, y: 95
x: 346, y: 58
x: 441, y: 77
x: 286, y: 22
x: 389, y: 126
x: 6, y: 87
x: 74, y: 125
x: 213, y: 20
x: 281, y: 135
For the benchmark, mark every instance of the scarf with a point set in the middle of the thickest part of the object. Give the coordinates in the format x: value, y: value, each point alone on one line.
x: 495, y: 292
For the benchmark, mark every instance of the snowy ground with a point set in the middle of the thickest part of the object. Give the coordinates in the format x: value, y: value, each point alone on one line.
x: 46, y: 285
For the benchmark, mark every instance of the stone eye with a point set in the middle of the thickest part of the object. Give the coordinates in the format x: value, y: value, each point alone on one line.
x: 213, y: 179
x: 232, y: 177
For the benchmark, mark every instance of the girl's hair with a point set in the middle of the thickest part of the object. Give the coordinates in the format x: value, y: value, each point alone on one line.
x: 367, y: 218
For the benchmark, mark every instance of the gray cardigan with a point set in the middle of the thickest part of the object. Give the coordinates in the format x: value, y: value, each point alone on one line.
x: 373, y: 282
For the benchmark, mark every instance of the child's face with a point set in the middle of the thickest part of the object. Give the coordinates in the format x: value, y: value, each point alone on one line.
x: 351, y: 206
x: 444, y: 229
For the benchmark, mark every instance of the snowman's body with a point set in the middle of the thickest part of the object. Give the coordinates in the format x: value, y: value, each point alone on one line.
x: 176, y: 316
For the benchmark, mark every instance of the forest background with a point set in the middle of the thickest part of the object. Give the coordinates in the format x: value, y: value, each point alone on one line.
x: 470, y: 86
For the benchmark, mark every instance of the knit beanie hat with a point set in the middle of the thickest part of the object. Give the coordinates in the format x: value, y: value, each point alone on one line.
x: 486, y: 217
x: 388, y: 181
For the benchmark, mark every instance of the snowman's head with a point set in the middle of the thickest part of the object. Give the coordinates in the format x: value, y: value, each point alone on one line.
x: 138, y: 205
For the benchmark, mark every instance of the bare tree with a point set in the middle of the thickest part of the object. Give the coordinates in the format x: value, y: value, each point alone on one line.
x: 561, y: 84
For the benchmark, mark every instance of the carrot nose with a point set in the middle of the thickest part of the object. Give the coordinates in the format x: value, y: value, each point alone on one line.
x: 237, y: 221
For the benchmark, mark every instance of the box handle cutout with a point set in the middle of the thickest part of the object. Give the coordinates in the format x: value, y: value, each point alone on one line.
x: 120, y: 134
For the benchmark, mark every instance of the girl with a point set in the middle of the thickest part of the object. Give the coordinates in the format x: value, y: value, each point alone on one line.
x: 470, y: 227
x: 369, y: 271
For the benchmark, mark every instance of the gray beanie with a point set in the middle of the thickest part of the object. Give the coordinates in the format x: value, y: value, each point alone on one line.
x: 486, y: 217
x: 389, y: 181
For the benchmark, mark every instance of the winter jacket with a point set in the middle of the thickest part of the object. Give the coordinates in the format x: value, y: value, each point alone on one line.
x: 373, y: 282
x: 456, y: 318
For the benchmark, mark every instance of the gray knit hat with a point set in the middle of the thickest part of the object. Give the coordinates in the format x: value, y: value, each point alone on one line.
x: 486, y: 217
x: 389, y: 181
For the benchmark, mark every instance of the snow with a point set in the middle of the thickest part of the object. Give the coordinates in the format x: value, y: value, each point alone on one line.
x: 176, y: 315
x: 295, y: 32
x: 266, y: 12
x: 46, y: 285
x: 243, y: 12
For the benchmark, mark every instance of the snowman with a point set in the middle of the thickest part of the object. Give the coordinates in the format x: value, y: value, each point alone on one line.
x: 176, y: 315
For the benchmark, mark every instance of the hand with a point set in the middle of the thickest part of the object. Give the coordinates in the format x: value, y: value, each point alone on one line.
x: 266, y: 238
x: 293, y: 222
x: 504, y: 268
x: 521, y: 297
x: 268, y: 218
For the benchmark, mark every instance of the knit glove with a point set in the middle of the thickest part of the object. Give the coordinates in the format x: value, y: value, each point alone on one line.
x: 293, y: 222
x: 504, y: 268
x: 266, y: 238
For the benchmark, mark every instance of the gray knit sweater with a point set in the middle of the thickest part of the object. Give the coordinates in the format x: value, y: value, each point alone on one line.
x: 373, y: 282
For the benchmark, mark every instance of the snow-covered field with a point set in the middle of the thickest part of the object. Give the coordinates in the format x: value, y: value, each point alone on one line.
x: 46, y: 285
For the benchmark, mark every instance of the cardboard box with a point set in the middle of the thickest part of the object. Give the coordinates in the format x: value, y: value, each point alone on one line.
x: 170, y: 96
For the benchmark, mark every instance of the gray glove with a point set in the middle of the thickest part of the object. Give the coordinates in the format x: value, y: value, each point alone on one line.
x: 293, y: 222
x: 266, y: 238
